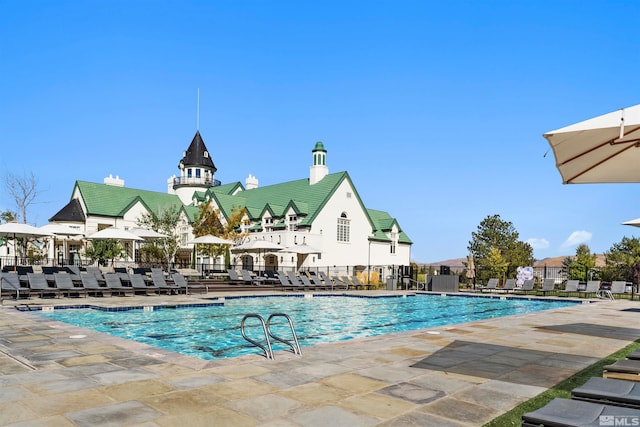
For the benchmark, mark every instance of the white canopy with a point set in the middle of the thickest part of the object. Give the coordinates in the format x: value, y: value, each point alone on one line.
x: 601, y: 149
x: 115, y: 234
x: 210, y: 239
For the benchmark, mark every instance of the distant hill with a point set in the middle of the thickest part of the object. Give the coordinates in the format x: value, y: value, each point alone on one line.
x: 457, y: 263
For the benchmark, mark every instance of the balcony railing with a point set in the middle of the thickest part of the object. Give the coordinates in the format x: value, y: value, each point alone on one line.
x: 177, y: 181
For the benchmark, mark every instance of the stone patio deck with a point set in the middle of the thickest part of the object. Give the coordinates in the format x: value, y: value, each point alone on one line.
x: 55, y: 374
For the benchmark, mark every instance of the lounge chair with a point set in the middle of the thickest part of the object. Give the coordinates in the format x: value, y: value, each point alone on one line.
x: 509, y: 285
x: 38, y: 284
x: 609, y: 391
x: 64, y: 285
x: 357, y: 283
x: 623, y: 369
x: 570, y: 413
x: 158, y: 280
x: 319, y: 284
x: 10, y: 285
x: 339, y: 282
x: 234, y: 277
x: 140, y: 286
x: 548, y: 285
x: 181, y: 283
x: 284, y: 280
x: 307, y: 283
x: 570, y: 288
x: 96, y: 272
x: 328, y: 282
x: 592, y: 288
x: 491, y: 285
x: 295, y: 281
x: 248, y: 278
x: 635, y: 355
x: 527, y: 286
x: 114, y: 284
x: 618, y: 287
x: 92, y: 286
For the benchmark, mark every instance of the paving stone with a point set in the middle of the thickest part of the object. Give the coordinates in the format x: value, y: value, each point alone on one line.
x: 265, y: 407
x: 116, y: 415
x: 332, y: 416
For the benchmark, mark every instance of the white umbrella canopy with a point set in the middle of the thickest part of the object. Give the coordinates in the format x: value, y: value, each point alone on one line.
x: 17, y: 230
x: 115, y: 234
x: 633, y: 222
x: 599, y: 150
x: 257, y: 246
x: 147, y: 234
x: 60, y: 230
x: 303, y: 249
x: 210, y: 239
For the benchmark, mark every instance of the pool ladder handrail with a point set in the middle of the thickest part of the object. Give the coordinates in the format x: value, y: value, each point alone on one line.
x: 295, y: 345
x: 268, y: 351
x: 266, y: 328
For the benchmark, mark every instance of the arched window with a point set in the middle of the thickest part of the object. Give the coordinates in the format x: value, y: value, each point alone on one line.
x: 343, y: 228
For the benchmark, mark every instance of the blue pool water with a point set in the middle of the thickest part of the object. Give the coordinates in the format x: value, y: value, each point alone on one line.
x: 214, y: 332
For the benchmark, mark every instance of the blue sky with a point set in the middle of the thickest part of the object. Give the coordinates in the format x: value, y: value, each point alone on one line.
x: 436, y: 109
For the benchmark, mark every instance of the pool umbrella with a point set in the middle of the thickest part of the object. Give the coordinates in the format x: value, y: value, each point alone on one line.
x: 62, y: 232
x: 633, y: 222
x: 210, y: 239
x: 17, y: 230
x: 601, y: 149
x: 113, y: 233
x: 147, y: 234
x: 258, y: 246
x: 302, y: 252
x: 471, y: 268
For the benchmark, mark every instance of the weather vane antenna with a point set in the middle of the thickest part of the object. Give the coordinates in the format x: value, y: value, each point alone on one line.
x: 198, y: 112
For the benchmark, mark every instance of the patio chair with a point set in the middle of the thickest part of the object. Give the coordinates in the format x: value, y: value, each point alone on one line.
x: 623, y: 369
x: 357, y: 283
x: 609, y: 391
x: 328, y: 282
x: 570, y: 288
x: 11, y: 286
x: 306, y: 282
x: 65, y: 286
x: 158, y: 280
x: 527, y: 286
x: 114, y: 284
x: 548, y: 285
x: 38, y: 284
x: 491, y: 285
x: 284, y: 280
x: 140, y: 286
x: 234, y: 277
x: 618, y: 287
x: 295, y: 281
x: 570, y: 413
x: 92, y: 287
x: 509, y: 285
x: 319, y: 284
x: 592, y: 288
x: 182, y: 284
x: 96, y: 272
x: 248, y: 278
x: 340, y: 283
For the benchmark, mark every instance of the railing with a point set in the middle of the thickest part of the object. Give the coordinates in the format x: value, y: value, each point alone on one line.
x: 197, y: 181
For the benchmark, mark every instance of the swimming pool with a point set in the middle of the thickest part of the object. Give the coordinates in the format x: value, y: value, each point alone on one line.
x: 213, y: 331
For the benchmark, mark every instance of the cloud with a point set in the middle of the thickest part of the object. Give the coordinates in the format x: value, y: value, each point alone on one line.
x: 576, y: 238
x: 538, y: 243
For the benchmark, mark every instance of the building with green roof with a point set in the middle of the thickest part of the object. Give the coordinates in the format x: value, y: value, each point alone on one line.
x: 318, y: 222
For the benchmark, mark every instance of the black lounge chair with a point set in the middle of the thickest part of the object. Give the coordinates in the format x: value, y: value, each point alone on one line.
x: 182, y: 284
x: 10, y: 285
x: 575, y: 413
x: 38, y: 284
x: 339, y: 282
x: 296, y: 284
x: 115, y: 285
x: 140, y: 286
x: 92, y: 286
x: 248, y: 278
x: 319, y: 284
x: 609, y: 391
x: 65, y: 286
x: 491, y: 285
x: 234, y: 277
x: 158, y: 280
x: 624, y: 369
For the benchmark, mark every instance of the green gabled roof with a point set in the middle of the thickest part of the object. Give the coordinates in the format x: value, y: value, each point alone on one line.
x: 200, y: 196
x: 113, y: 201
x: 307, y: 199
x: 191, y: 212
x: 280, y: 224
x: 226, y: 188
x: 382, y: 222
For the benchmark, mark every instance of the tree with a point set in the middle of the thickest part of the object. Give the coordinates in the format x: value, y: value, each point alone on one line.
x: 496, y: 234
x: 496, y: 264
x: 621, y: 259
x: 578, y: 267
x: 23, y: 190
x: 208, y: 221
x: 163, y: 249
x: 8, y: 216
x: 103, y: 250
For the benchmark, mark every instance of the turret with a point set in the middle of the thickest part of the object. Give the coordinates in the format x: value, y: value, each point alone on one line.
x: 319, y: 167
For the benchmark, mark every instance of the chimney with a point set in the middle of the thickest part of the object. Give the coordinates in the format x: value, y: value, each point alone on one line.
x: 251, y: 182
x: 116, y: 182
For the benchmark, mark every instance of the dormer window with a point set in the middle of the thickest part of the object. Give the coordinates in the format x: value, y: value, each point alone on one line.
x: 206, y: 154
